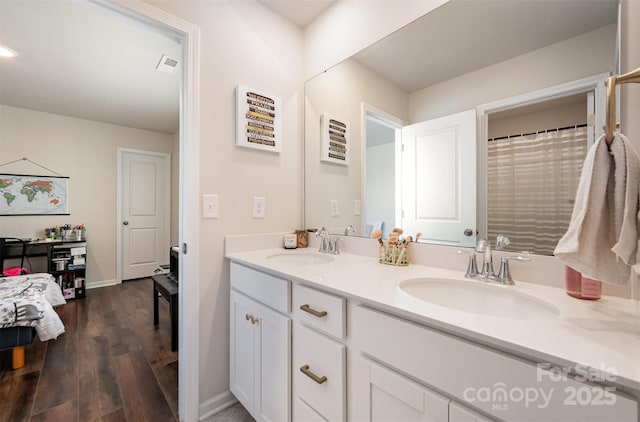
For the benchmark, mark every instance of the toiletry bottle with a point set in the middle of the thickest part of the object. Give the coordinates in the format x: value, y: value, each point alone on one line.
x: 582, y: 287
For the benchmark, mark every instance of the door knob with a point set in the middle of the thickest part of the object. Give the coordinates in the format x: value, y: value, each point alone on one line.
x: 468, y: 232
x: 126, y: 223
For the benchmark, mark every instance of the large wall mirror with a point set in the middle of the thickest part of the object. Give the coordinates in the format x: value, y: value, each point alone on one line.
x: 393, y: 137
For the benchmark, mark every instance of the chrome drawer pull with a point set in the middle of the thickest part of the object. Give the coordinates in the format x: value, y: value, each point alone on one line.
x: 305, y: 370
x: 313, y: 312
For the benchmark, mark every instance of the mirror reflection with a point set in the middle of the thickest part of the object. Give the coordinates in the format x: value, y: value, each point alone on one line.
x: 418, y: 157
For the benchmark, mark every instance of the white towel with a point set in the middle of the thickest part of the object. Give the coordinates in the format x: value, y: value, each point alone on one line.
x: 602, y: 239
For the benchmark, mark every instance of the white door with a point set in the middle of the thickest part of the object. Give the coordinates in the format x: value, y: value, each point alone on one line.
x: 144, y: 197
x: 438, y: 193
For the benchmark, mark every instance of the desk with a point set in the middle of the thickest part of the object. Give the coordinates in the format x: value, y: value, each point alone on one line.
x: 65, y: 260
x: 169, y: 290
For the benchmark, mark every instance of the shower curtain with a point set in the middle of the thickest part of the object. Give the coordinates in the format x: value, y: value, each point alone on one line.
x: 532, y: 181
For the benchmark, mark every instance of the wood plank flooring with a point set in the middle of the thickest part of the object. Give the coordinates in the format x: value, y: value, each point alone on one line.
x: 112, y: 364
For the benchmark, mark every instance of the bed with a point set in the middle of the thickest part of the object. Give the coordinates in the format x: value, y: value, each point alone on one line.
x: 26, y: 309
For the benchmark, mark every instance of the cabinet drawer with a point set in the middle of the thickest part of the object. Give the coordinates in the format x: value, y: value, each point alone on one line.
x: 482, y: 377
x: 320, y: 310
x: 265, y: 288
x: 323, y: 384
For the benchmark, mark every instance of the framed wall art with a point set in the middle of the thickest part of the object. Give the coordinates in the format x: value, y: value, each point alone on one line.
x: 33, y: 195
x: 258, y: 120
x: 335, y: 140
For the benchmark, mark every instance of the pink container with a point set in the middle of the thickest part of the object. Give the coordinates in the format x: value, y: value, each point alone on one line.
x: 582, y: 287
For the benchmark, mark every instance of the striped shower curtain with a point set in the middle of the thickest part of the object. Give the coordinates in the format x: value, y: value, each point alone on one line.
x: 532, y: 182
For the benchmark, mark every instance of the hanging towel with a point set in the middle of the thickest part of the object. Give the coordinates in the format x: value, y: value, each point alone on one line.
x: 602, y: 239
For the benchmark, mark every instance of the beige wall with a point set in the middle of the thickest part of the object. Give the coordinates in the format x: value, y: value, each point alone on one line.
x: 518, y: 75
x: 630, y: 93
x: 241, y: 42
x: 86, y: 152
x: 531, y: 120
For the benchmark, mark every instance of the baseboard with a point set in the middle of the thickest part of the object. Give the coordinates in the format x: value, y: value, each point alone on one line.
x: 103, y: 283
x: 216, y: 404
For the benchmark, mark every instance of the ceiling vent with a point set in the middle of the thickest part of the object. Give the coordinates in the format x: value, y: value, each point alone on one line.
x: 167, y: 64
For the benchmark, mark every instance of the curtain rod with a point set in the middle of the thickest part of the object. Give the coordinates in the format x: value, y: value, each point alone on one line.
x: 535, y: 133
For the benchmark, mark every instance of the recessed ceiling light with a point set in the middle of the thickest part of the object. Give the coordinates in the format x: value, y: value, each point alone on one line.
x: 7, y: 52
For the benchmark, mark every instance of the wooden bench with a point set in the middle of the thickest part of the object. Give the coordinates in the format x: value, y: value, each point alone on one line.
x: 168, y: 288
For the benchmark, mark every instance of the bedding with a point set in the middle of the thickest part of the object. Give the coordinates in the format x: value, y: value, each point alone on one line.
x: 28, y: 300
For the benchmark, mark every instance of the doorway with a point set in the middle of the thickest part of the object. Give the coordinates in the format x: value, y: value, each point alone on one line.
x: 188, y: 214
x: 382, y: 143
x: 590, y: 92
x: 143, y: 212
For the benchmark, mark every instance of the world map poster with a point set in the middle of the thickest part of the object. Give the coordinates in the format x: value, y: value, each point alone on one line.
x: 33, y: 195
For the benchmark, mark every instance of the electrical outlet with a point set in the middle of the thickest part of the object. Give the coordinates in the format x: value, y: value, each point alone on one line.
x: 210, y: 206
x: 334, y: 208
x: 356, y: 207
x: 259, y: 205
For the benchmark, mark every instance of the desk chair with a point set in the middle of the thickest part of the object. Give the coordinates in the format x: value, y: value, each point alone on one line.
x: 4, y: 241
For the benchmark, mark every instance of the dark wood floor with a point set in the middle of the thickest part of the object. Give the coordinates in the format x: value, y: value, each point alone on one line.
x: 112, y: 364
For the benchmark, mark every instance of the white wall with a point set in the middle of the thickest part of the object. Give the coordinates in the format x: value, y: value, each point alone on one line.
x: 86, y: 152
x: 340, y: 92
x: 241, y: 42
x: 349, y: 26
x: 630, y: 93
x: 579, y: 57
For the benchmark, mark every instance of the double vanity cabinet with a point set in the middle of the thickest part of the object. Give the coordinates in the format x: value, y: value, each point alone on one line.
x: 303, y: 351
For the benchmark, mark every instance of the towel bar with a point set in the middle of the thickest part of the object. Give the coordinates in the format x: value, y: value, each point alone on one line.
x: 630, y: 77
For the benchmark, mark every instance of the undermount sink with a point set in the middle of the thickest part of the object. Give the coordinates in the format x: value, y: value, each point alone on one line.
x: 479, y: 298
x: 305, y: 258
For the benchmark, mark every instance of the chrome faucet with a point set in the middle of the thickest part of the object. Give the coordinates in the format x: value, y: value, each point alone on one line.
x: 487, y: 274
x: 504, y: 275
x: 324, y: 236
x: 328, y: 244
x: 349, y: 229
x: 484, y: 246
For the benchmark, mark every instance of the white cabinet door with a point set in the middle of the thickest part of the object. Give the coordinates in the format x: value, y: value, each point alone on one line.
x: 460, y: 413
x: 438, y: 161
x: 242, y: 350
x: 273, y: 375
x: 384, y: 395
x: 260, y: 359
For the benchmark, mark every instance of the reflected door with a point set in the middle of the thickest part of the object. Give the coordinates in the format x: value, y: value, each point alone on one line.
x: 144, y: 194
x: 438, y: 179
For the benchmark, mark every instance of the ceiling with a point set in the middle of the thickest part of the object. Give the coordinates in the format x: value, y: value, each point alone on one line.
x: 300, y: 12
x: 79, y: 59
x: 414, y: 57
x: 87, y: 62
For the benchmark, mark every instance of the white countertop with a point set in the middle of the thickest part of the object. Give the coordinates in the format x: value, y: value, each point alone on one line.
x: 603, y: 335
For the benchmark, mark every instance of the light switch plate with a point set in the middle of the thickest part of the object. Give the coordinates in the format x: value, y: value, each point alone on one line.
x: 210, y: 206
x: 334, y: 208
x: 356, y: 207
x: 259, y: 205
